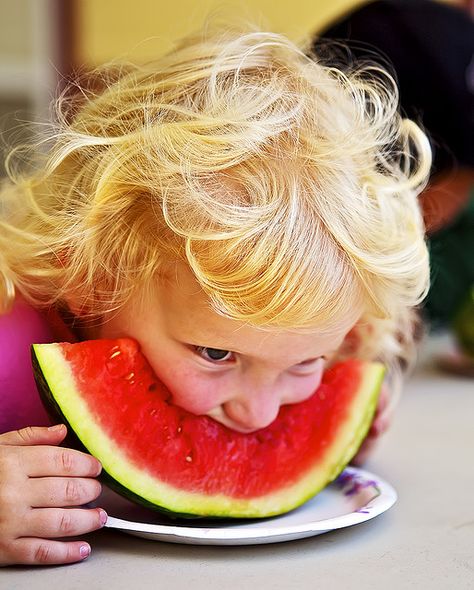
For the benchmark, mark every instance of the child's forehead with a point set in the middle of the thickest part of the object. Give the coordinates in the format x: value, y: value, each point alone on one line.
x: 189, y: 310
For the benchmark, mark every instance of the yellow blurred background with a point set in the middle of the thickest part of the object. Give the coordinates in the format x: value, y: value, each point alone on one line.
x: 142, y: 29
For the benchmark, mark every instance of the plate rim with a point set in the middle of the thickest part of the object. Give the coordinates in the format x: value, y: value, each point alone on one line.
x: 384, y: 498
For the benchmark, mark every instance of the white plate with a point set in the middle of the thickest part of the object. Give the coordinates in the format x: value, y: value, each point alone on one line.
x: 356, y: 496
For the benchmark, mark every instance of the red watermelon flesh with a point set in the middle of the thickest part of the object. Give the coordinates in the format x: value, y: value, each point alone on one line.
x: 180, y: 462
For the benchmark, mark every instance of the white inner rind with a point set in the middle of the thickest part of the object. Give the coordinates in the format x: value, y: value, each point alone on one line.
x: 60, y: 379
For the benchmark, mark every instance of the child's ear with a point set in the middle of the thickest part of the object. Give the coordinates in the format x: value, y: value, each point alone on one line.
x: 352, y: 341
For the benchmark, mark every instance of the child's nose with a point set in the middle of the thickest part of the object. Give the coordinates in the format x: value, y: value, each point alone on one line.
x: 254, y: 409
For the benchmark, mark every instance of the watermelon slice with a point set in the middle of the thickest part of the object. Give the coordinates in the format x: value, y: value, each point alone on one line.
x: 162, y: 456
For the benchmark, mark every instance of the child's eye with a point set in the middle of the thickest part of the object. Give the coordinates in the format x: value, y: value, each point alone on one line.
x: 214, y: 355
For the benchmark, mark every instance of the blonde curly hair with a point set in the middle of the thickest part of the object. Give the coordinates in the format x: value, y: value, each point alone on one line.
x: 288, y: 186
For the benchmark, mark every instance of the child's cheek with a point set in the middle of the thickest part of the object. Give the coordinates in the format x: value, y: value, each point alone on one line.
x: 196, y: 394
x: 189, y: 389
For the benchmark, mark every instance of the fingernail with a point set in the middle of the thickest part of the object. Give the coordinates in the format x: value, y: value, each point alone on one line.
x: 56, y: 427
x: 102, y: 517
x: 85, y: 551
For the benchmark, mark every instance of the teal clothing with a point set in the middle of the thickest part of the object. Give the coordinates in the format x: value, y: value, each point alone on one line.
x: 452, y: 267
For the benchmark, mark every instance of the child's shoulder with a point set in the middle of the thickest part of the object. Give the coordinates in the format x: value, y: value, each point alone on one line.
x: 19, y: 402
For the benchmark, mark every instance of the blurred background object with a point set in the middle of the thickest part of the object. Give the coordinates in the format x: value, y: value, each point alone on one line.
x: 464, y: 324
x: 33, y: 59
x: 429, y: 48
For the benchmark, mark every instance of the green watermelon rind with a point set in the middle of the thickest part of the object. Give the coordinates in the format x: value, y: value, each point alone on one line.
x: 59, y: 393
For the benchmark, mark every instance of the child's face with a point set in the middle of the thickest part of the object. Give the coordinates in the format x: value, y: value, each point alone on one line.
x: 213, y: 365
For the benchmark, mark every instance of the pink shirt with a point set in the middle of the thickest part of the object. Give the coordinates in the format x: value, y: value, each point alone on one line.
x: 20, y: 404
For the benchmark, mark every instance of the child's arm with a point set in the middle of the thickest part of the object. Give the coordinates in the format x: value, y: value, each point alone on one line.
x: 40, y: 484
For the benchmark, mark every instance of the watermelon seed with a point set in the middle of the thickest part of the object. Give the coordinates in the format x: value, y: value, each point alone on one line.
x: 154, y: 412
x: 130, y: 376
x: 189, y: 459
x: 180, y: 429
x: 152, y: 387
x: 116, y: 353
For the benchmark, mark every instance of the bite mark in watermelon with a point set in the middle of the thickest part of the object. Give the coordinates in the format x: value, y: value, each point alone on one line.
x: 164, y: 457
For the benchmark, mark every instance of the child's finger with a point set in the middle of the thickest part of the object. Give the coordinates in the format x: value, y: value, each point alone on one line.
x: 58, y: 461
x: 59, y: 492
x: 34, y: 435
x: 384, y: 399
x: 53, y: 523
x: 380, y: 425
x: 365, y: 451
x: 29, y: 551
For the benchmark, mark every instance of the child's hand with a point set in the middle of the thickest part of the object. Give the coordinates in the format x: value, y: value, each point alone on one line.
x: 381, y: 422
x: 38, y: 480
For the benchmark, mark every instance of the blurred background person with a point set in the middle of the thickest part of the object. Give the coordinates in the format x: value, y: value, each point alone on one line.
x: 429, y: 47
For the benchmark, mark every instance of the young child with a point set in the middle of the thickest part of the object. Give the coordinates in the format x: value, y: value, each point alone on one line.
x: 246, y: 213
